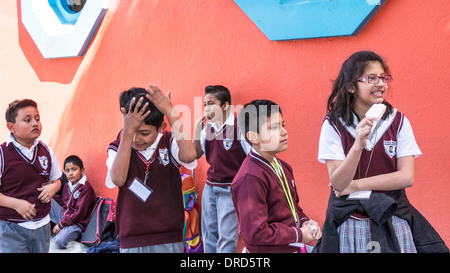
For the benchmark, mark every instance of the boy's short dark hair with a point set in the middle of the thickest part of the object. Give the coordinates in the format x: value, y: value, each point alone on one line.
x: 220, y: 92
x: 74, y: 160
x: 255, y: 114
x: 155, y: 118
x: 15, y: 106
x: 127, y: 95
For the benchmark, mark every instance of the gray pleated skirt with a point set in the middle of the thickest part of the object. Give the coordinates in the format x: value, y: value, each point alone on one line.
x: 355, y: 236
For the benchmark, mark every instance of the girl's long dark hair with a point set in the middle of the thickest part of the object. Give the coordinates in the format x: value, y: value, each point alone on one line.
x: 340, y: 102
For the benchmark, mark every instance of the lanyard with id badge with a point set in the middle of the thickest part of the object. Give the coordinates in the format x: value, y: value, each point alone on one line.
x: 287, y: 192
x: 139, y: 188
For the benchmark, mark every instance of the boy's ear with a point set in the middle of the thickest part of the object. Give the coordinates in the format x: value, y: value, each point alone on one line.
x: 253, y: 137
x: 162, y: 127
x: 10, y: 126
x: 225, y: 106
x: 123, y: 111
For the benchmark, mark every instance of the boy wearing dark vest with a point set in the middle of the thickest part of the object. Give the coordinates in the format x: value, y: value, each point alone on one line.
x: 264, y: 193
x: 144, y: 163
x: 224, y: 148
x: 29, y: 178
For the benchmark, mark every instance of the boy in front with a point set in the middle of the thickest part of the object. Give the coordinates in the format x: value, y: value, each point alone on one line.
x: 29, y: 179
x: 144, y: 163
x: 263, y: 190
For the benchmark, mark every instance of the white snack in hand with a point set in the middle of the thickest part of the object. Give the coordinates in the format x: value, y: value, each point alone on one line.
x: 376, y: 112
x: 312, y: 229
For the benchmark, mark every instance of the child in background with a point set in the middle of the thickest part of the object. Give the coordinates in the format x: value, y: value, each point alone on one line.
x: 220, y: 141
x: 144, y: 163
x: 29, y: 179
x: 72, y: 210
x: 363, y: 157
x: 264, y: 193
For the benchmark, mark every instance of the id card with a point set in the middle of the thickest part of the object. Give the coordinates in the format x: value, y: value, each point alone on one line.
x: 140, y: 190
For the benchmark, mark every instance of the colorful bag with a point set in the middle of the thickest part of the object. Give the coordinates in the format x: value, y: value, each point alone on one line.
x: 101, y: 227
x: 191, y: 232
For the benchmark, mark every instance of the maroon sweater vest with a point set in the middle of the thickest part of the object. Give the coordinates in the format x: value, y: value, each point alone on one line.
x: 383, y: 158
x: 21, y: 177
x: 160, y: 219
x: 224, y: 154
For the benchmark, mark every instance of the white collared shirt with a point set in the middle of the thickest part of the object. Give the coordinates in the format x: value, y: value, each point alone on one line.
x: 330, y: 144
x: 230, y: 122
x: 82, y: 181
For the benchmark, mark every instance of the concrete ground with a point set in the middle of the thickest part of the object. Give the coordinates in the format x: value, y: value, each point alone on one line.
x: 72, y: 247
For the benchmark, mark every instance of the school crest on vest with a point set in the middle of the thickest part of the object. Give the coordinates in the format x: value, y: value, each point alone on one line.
x: 390, y: 147
x: 164, y: 156
x: 76, y: 195
x: 43, y: 160
x: 227, y: 143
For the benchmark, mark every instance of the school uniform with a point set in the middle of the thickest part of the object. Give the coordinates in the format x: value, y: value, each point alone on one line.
x: 72, y: 210
x: 224, y: 149
x: 150, y: 214
x: 23, y: 170
x: 387, y: 216
x: 266, y: 222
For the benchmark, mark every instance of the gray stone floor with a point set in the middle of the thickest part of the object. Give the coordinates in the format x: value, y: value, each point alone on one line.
x: 72, y: 247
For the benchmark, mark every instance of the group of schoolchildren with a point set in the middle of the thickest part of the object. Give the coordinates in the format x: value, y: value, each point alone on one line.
x: 249, y: 191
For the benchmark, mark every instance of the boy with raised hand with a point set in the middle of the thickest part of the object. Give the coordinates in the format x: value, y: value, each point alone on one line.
x: 144, y: 163
x: 29, y: 178
x: 264, y: 193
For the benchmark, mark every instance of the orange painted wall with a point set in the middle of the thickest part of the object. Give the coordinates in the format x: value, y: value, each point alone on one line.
x: 183, y: 45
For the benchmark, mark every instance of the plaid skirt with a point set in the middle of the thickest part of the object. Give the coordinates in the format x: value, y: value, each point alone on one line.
x: 354, y: 236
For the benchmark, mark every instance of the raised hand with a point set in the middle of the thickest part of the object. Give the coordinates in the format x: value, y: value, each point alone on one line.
x: 161, y: 101
x: 135, y: 115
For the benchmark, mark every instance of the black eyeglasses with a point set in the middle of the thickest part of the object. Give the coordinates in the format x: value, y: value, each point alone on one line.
x: 375, y: 79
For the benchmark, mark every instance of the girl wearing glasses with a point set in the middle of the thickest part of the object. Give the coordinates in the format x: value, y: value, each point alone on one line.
x: 372, y: 158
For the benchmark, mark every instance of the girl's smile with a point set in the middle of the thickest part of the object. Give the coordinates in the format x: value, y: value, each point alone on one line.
x: 378, y: 93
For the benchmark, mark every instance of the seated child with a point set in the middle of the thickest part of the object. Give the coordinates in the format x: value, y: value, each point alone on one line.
x: 72, y: 210
x: 28, y: 180
x: 144, y: 163
x: 263, y: 190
